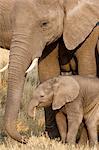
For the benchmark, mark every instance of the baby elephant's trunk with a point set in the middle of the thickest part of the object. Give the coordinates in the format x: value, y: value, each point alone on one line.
x: 32, y: 108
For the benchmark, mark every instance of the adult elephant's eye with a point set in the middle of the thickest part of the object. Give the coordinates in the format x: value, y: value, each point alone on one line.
x: 44, y: 24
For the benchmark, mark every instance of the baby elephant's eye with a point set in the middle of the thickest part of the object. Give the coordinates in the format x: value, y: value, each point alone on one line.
x: 44, y: 23
x: 41, y: 95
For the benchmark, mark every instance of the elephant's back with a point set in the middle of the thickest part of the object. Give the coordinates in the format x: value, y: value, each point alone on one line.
x: 6, y: 7
x: 90, y: 85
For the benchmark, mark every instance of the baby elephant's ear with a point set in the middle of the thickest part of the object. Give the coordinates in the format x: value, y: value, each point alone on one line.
x: 65, y: 90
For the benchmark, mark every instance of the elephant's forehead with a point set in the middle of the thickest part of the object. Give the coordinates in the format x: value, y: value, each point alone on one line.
x: 43, y: 89
x: 47, y: 8
x: 46, y: 2
x: 70, y: 4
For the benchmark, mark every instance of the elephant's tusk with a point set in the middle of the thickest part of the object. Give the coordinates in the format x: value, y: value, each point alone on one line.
x: 34, y: 114
x: 5, y: 68
x: 33, y: 64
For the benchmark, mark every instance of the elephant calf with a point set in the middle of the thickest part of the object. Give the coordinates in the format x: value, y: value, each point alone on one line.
x: 75, y: 96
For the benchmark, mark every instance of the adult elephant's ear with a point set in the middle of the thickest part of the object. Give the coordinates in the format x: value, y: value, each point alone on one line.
x: 79, y: 21
x: 65, y: 90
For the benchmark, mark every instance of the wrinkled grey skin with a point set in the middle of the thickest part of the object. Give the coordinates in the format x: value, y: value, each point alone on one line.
x: 80, y: 98
x: 26, y: 26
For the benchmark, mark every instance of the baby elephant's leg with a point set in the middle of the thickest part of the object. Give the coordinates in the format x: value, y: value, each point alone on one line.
x: 92, y: 129
x: 62, y: 125
x: 92, y: 132
x: 74, y: 117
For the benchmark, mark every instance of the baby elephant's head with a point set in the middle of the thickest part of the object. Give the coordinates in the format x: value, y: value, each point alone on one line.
x: 42, y: 97
x: 57, y: 91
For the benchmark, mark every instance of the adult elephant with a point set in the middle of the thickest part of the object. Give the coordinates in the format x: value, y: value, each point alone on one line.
x: 84, y: 62
x: 84, y: 51
x: 26, y: 27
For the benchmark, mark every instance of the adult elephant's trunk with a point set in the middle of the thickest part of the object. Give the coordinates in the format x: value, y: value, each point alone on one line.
x: 20, y: 58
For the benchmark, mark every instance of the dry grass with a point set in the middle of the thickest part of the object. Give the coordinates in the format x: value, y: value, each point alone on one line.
x: 25, y: 125
x: 41, y: 143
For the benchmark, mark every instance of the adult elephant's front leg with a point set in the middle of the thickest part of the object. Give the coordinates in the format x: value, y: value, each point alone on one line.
x: 86, y: 55
x: 48, y: 68
x: 87, y: 64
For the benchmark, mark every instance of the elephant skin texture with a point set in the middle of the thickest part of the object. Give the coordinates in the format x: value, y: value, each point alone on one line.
x: 27, y: 41
x: 75, y: 96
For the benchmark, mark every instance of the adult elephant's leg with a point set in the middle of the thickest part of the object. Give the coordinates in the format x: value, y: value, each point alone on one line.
x: 83, y: 137
x: 87, y: 64
x: 48, y: 68
x: 86, y: 55
x: 97, y: 57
